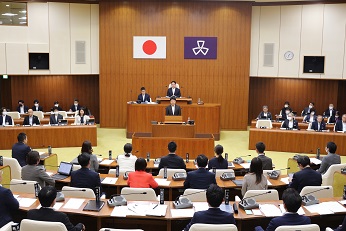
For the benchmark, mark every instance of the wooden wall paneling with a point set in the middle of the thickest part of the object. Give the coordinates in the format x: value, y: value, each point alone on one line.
x: 224, y: 80
x: 341, y: 105
x: 6, y: 96
x: 48, y: 89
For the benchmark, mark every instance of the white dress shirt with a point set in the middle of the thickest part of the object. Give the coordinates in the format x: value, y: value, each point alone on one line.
x: 173, y: 108
x: 343, y: 126
x: 30, y: 120
x: 290, y: 124
x: 173, y: 90
x: 21, y: 109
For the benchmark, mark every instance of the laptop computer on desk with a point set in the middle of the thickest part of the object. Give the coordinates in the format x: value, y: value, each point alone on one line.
x: 62, y: 122
x: 64, y: 171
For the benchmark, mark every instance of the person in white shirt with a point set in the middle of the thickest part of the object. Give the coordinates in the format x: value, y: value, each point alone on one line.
x: 127, y: 161
x: 81, y: 118
x: 340, y: 125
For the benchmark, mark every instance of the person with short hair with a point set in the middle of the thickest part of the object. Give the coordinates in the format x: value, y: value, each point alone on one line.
x: 285, y: 111
x: 218, y: 162
x: 47, y: 197
x: 172, y: 160
x: 56, y: 104
x: 173, y: 109
x: 306, y: 176
x: 308, y: 109
x: 4, y: 118
x: 34, y: 172
x: 340, y: 125
x: 319, y: 124
x: 214, y: 215
x: 55, y: 117
x: 81, y: 118
x: 311, y: 117
x: 264, y: 114
x: 87, y: 149
x: 8, y: 206
x: 22, y: 109
x: 75, y: 107
x: 140, y: 178
x: 290, y: 122
x: 143, y: 97
x: 84, y: 177
x: 173, y: 90
x: 267, y: 163
x: 127, y: 160
x: 330, y: 113
x: 254, y: 180
x: 330, y: 159
x: 37, y: 106
x: 200, y: 178
x: 20, y: 150
x: 292, y: 202
x: 31, y: 119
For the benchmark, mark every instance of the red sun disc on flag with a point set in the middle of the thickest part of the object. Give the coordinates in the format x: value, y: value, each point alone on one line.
x: 149, y: 47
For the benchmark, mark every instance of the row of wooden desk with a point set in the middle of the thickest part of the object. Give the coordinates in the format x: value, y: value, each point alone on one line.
x: 301, y: 125
x: 54, y: 136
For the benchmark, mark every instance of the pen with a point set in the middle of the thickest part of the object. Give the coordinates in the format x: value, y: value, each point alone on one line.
x: 156, y: 206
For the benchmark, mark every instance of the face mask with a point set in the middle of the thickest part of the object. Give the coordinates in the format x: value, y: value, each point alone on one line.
x: 286, y: 105
x: 20, y: 105
x: 76, y: 104
x: 330, y: 108
x: 310, y: 106
x: 56, y: 113
x: 336, y: 116
x: 36, y: 104
x: 287, y: 112
x: 56, y: 105
x: 289, y: 118
x: 312, y: 113
x: 4, y: 113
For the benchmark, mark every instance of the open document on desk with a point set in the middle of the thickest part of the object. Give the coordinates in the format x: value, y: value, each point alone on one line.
x: 140, y: 209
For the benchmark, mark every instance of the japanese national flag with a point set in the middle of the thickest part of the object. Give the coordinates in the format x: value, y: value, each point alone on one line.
x: 149, y: 47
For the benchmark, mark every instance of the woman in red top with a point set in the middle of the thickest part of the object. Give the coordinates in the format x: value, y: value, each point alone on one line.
x: 140, y: 178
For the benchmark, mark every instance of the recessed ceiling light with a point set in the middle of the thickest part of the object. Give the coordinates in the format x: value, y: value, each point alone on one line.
x: 9, y: 14
x: 8, y: 5
x: 22, y: 18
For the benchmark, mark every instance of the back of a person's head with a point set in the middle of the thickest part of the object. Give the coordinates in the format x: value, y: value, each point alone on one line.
x: 172, y: 147
x: 303, y: 161
x: 292, y: 200
x: 84, y: 159
x: 214, y: 195
x: 332, y: 147
x: 21, y: 137
x: 218, y: 149
x: 86, y: 147
x: 260, y: 146
x: 46, y: 196
x: 140, y: 164
x: 256, y: 167
x: 32, y: 158
x: 128, y: 148
x: 202, y: 161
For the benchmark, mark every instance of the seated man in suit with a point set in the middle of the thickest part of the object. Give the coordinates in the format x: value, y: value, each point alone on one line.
x: 264, y: 115
x: 56, y: 104
x: 292, y: 202
x: 319, y: 124
x: 330, y: 159
x: 172, y: 160
x: 20, y: 150
x: 267, y: 162
x: 8, y: 206
x: 22, y: 109
x: 4, y: 118
x: 330, y: 113
x: 214, y: 215
x: 173, y: 90
x: 342, y: 227
x: 310, y: 118
x: 47, y: 197
x: 31, y: 119
x: 290, y: 122
x: 340, y: 125
x: 284, y: 111
x: 307, y: 110
x: 306, y: 176
x: 75, y: 106
x: 173, y: 109
x: 84, y: 177
x: 143, y: 97
x: 37, y: 106
x: 55, y: 117
x: 200, y: 178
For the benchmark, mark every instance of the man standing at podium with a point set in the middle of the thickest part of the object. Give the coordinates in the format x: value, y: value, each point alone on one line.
x: 173, y: 109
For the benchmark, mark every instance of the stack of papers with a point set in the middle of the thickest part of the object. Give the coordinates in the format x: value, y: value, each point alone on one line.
x: 334, y: 206
x: 245, y: 165
x: 268, y: 182
x: 315, y: 161
x: 106, y: 162
x: 74, y: 203
x: 285, y: 180
x: 99, y: 159
x: 109, y: 180
x: 182, y: 212
x: 270, y: 210
x: 26, y: 202
x: 140, y: 209
x: 200, y: 206
x: 319, y: 208
x: 157, y: 211
x: 162, y: 182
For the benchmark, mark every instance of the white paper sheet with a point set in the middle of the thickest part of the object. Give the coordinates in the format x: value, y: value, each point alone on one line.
x: 41, y: 153
x: 257, y: 212
x: 343, y: 202
x: 315, y: 161
x: 109, y: 180
x: 120, y: 211
x: 182, y: 212
x: 106, y: 162
x: 26, y: 202
x: 285, y: 180
x: 245, y: 165
x: 162, y: 182
x: 157, y: 210
x: 268, y: 182
x: 57, y: 206
x: 318, y: 208
x: 74, y: 203
x: 99, y: 159
x: 200, y: 206
x: 50, y: 173
x: 334, y: 206
x: 270, y: 210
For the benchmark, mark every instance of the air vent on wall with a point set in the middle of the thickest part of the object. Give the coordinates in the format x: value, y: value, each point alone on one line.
x: 268, y: 59
x: 80, y: 52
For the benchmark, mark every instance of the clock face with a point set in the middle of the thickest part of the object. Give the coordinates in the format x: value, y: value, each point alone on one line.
x: 289, y: 55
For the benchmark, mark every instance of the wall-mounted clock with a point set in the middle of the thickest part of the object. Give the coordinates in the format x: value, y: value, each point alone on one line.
x: 289, y: 55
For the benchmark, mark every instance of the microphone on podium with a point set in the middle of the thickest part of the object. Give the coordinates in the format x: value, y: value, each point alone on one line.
x: 248, y: 203
x: 309, y: 199
x: 276, y: 173
x: 118, y: 199
x: 183, y: 202
x: 239, y: 160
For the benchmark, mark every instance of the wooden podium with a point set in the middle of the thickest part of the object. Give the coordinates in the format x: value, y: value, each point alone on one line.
x: 166, y: 100
x: 173, y: 130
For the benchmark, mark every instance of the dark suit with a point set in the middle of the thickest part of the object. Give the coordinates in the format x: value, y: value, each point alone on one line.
x: 211, y: 216
x: 172, y: 161
x: 199, y: 179
x: 25, y: 109
x: 262, y: 116
x: 146, y: 97
x: 314, y: 126
x: 8, y: 206
x: 53, y: 120
x: 283, y: 113
x: 308, y: 119
x: 73, y: 108
x: 177, y: 110
x: 338, y: 126
x: 287, y: 219
x: 342, y: 227
x: 267, y: 163
x: 331, y: 115
x: 305, y: 177
x: 8, y: 119
x: 35, y: 120
x: 214, y: 163
x: 85, y: 178
x: 49, y: 214
x: 286, y: 124
x: 307, y: 111
x: 39, y: 108
x: 176, y: 92
x: 328, y: 161
x: 19, y: 152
